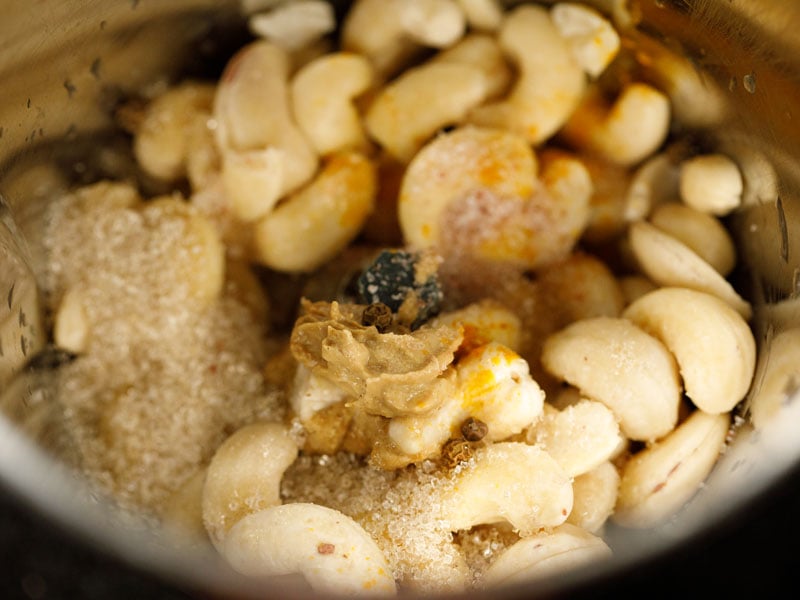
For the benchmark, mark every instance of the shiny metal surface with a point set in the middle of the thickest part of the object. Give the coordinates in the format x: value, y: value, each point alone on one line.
x: 731, y: 67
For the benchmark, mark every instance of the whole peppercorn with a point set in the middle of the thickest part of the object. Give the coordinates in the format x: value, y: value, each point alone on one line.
x: 379, y: 315
x: 454, y: 452
x: 474, y: 430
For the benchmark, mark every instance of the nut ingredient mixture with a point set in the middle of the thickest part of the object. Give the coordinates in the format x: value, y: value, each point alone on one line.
x: 421, y: 299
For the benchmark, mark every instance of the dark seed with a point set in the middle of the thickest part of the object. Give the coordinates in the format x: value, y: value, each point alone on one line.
x: 379, y: 315
x: 474, y: 430
x: 455, y: 452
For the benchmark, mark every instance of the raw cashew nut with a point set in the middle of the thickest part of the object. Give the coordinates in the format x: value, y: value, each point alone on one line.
x: 466, y: 159
x: 265, y: 155
x: 71, y: 328
x: 582, y: 286
x: 713, y: 344
x: 322, y: 99
x: 701, y: 232
x: 311, y: 226
x: 244, y: 476
x: 595, y: 497
x: 474, y: 191
x: 483, y: 52
x: 627, y: 131
x: 654, y: 182
x: 329, y: 549
x: 513, y: 482
x: 482, y: 15
x: 580, y: 437
x: 759, y: 177
x: 711, y: 183
x: 670, y: 263
x: 658, y: 481
x: 413, y: 107
x: 434, y: 23
x: 493, y: 385
x: 564, y: 548
x: 614, y: 361
x: 550, y: 83
x: 778, y: 382
x: 294, y: 25
x: 593, y: 40
x: 392, y: 32
x: 161, y: 143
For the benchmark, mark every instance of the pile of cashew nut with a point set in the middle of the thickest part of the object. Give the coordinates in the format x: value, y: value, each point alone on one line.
x: 584, y: 369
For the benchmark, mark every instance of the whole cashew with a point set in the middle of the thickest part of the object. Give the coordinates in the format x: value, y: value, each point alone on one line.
x: 244, y: 476
x: 614, y: 361
x: 778, y: 380
x: 669, y: 262
x: 294, y: 25
x: 658, y: 481
x: 314, y: 224
x: 592, y: 38
x: 711, y: 183
x: 322, y: 95
x: 161, y: 142
x: 595, y: 497
x: 625, y: 132
x: 580, y: 437
x: 703, y: 233
x: 392, y: 32
x: 331, y: 550
x: 267, y: 154
x: 550, y: 83
x: 565, y: 547
x: 653, y: 183
x: 465, y: 159
x: 696, y: 326
x: 413, y: 107
x: 513, y: 482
